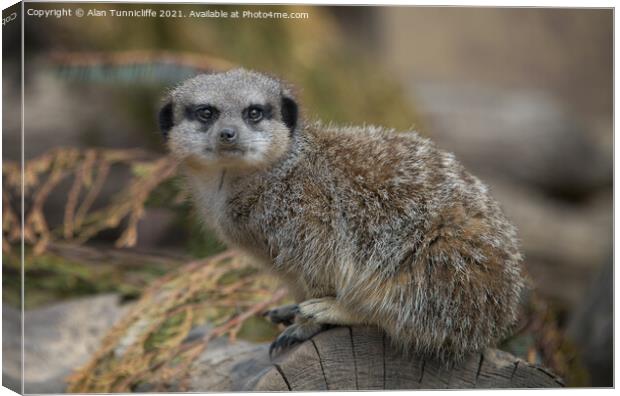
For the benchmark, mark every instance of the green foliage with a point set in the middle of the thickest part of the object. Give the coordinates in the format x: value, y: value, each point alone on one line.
x: 258, y: 329
x: 50, y: 277
x: 202, y: 242
x: 235, y: 275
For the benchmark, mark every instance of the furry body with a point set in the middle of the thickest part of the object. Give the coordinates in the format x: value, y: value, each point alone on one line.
x: 369, y: 226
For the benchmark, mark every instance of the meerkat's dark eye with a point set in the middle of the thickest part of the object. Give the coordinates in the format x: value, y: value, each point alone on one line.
x: 255, y: 114
x: 204, y: 113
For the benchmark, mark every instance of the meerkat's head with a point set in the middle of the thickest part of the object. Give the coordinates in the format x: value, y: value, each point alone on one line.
x: 238, y: 118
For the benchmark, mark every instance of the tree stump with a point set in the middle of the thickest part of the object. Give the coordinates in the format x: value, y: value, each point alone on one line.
x: 362, y: 358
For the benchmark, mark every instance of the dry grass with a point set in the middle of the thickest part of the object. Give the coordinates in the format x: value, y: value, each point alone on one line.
x: 149, y: 345
x: 89, y: 169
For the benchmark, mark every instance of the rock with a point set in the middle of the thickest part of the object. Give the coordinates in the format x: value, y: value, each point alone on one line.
x: 226, y: 367
x: 57, y: 339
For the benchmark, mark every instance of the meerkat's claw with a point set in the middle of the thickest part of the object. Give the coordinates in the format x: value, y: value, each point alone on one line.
x: 284, y: 314
x: 282, y: 342
x: 294, y: 334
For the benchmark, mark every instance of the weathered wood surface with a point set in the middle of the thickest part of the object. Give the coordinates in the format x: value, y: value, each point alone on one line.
x: 358, y: 358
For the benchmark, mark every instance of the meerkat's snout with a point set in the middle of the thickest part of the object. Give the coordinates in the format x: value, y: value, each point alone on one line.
x: 226, y: 139
x: 228, y: 136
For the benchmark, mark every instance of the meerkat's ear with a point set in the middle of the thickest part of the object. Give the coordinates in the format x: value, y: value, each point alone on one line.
x: 289, y: 111
x: 166, y: 119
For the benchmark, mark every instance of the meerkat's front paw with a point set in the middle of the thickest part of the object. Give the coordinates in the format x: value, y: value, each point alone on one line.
x: 295, y: 333
x: 284, y: 314
x: 326, y: 310
x: 311, y: 317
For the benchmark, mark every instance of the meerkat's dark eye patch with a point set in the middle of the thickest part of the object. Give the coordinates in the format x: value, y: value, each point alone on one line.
x: 256, y: 113
x: 166, y: 119
x: 289, y: 113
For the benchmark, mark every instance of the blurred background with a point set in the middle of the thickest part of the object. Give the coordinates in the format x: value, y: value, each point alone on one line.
x: 522, y: 96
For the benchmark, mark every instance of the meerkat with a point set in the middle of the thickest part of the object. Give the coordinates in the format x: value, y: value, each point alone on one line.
x: 366, y: 225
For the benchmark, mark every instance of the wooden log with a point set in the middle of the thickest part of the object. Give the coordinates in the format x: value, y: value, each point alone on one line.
x: 363, y: 358
x: 339, y: 369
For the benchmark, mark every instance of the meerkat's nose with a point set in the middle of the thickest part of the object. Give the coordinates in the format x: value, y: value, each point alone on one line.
x: 228, y: 135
